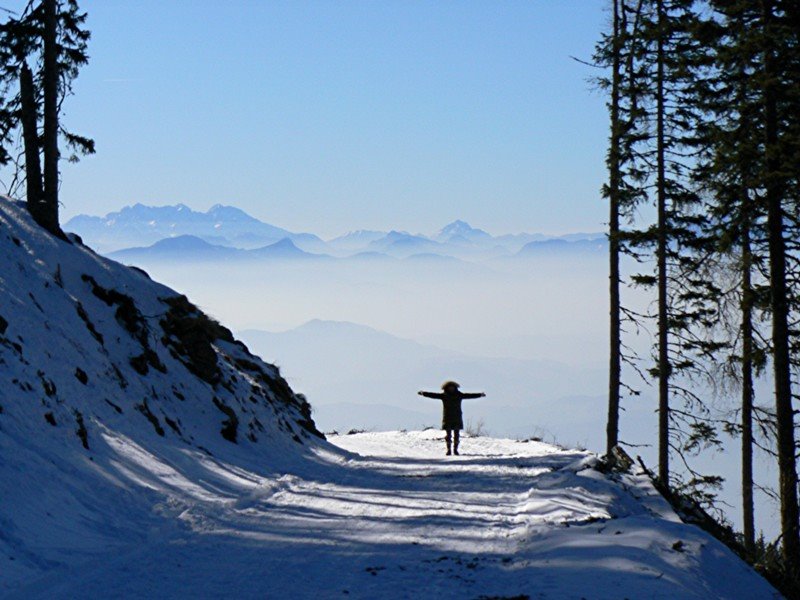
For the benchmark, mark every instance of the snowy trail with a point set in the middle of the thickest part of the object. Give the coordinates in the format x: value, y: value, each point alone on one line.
x: 391, y: 517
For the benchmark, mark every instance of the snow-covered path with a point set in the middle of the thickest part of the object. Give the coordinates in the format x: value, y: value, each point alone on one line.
x: 392, y: 517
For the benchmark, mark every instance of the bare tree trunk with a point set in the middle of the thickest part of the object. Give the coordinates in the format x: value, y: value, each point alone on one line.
x: 747, y: 386
x: 50, y: 88
x: 661, y: 254
x: 615, y: 348
x: 780, y: 326
x: 30, y: 135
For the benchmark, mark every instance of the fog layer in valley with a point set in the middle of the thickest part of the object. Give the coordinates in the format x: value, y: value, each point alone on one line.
x: 361, y: 337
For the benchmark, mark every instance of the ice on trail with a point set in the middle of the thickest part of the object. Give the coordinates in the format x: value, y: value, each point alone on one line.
x: 144, y: 453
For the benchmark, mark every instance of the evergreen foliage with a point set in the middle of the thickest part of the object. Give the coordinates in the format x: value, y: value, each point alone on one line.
x: 41, y: 53
x: 712, y: 145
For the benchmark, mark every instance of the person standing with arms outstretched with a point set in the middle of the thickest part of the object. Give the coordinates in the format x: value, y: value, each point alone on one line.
x: 452, y: 421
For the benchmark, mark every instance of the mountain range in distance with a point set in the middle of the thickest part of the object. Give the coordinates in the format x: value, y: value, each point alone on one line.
x: 228, y: 233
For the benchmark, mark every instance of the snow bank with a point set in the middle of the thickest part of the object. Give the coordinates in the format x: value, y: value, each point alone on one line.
x: 112, y: 385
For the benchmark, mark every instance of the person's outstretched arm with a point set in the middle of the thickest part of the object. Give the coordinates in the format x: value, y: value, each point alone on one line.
x: 431, y: 395
x: 475, y: 395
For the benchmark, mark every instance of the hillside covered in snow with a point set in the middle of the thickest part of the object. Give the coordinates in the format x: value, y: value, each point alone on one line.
x: 145, y: 453
x: 96, y: 361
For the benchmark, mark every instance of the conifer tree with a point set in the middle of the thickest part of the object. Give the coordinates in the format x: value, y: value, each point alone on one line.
x: 670, y: 245
x: 705, y: 130
x: 748, y: 162
x: 29, y: 118
x: 51, y: 74
x: 617, y: 51
x: 611, y: 51
x: 51, y: 35
x: 726, y: 169
x: 779, y: 39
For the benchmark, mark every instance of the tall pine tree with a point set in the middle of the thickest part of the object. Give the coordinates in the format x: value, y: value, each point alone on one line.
x: 50, y: 34
x: 779, y: 40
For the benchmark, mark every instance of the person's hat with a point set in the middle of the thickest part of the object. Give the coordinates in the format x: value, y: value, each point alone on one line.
x: 448, y: 384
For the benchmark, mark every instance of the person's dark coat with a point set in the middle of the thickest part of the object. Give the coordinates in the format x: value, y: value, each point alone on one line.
x: 451, y: 406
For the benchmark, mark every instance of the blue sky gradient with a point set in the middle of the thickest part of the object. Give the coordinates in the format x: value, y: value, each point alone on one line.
x: 328, y: 116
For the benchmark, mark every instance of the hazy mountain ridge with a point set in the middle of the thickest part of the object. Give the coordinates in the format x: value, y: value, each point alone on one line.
x: 562, y: 246
x: 190, y: 247
x: 139, y: 230
x: 142, y: 225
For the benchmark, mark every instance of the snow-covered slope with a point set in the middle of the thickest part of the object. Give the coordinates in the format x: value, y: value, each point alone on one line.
x: 97, y: 362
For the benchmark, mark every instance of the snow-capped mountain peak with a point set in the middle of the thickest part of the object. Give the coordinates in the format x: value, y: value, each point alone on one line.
x: 224, y: 214
x: 140, y: 225
x: 461, y: 229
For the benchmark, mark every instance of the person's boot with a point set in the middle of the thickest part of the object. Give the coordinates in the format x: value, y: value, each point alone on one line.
x: 455, y: 444
x: 447, y: 442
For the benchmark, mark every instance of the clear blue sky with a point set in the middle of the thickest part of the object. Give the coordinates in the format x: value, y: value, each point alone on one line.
x: 327, y: 116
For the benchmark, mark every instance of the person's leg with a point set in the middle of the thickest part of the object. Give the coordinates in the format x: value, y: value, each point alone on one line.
x: 447, y: 440
x: 455, y: 441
